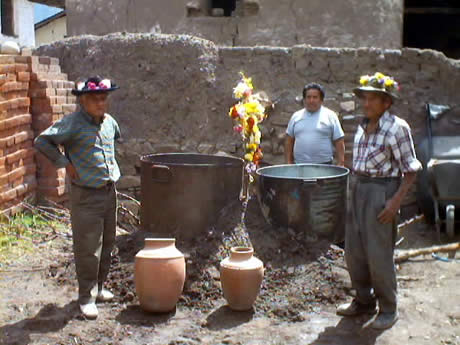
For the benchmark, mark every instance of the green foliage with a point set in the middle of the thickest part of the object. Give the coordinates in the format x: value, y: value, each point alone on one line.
x: 19, y: 232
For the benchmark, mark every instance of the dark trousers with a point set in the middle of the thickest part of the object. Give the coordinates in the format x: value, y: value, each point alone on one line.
x: 93, y: 217
x: 369, y: 245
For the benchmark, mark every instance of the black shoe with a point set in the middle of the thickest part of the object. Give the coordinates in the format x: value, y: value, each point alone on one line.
x: 355, y: 308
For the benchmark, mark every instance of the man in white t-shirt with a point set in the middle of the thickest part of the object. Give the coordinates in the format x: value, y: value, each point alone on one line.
x: 314, y: 131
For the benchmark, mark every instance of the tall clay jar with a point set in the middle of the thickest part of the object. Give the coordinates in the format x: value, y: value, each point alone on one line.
x: 159, y: 274
x: 241, y: 275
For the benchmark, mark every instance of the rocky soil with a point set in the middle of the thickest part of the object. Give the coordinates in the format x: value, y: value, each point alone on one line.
x: 303, y: 284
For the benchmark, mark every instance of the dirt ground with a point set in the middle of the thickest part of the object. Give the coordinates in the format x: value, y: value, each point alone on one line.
x: 303, y: 284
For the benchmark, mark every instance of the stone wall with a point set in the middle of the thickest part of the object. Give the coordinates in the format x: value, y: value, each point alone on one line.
x: 332, y: 23
x: 176, y: 90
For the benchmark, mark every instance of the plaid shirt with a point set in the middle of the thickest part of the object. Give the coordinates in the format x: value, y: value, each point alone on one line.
x: 90, y: 146
x: 387, y: 152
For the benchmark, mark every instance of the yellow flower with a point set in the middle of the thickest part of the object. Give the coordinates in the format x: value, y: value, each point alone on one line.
x: 251, y: 147
x: 249, y: 156
x: 389, y: 82
x: 364, y: 80
x: 379, y: 75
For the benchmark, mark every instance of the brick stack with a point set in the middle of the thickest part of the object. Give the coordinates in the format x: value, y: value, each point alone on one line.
x: 17, y: 166
x: 51, y: 99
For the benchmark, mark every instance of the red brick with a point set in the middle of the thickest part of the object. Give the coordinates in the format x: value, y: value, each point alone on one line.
x: 23, y: 76
x: 44, y: 60
x: 7, y: 141
x: 20, y: 188
x: 69, y: 108
x: 10, y: 68
x: 61, y: 92
x: 22, y: 59
x: 2, y: 79
x: 7, y: 196
x: 22, y: 67
x: 6, y: 59
x: 55, y: 69
x: 61, y: 99
x: 71, y: 99
x: 41, y: 84
x: 13, y: 157
x: 23, y: 136
x: 56, y: 108
x: 3, y: 179
x: 16, y: 173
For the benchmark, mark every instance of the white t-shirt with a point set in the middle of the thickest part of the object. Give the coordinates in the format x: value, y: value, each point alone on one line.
x: 314, y: 135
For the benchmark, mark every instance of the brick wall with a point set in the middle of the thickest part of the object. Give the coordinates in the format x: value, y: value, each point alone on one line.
x: 17, y: 166
x: 51, y: 99
x: 33, y: 94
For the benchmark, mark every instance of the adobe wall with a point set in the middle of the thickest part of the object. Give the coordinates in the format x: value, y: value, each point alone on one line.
x: 332, y: 23
x: 176, y: 90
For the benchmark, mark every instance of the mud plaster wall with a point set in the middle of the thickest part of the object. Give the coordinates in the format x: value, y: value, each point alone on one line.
x: 176, y: 90
x: 332, y: 23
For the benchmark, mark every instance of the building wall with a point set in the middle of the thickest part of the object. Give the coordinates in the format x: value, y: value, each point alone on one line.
x: 52, y: 31
x: 332, y: 23
x: 33, y: 95
x: 176, y: 90
x: 23, y: 24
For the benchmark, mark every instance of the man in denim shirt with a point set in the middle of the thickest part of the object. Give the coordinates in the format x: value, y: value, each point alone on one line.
x: 88, y: 137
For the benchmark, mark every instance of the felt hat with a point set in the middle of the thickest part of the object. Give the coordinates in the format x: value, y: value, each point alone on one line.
x: 94, y: 85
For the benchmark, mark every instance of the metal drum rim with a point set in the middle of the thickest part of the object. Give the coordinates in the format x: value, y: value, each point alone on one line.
x: 346, y: 172
x: 236, y: 161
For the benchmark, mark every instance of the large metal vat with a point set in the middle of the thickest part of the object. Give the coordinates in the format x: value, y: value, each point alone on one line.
x: 182, y: 193
x: 309, y: 198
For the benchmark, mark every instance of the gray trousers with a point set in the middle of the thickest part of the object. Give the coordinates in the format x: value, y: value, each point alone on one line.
x: 369, y: 245
x: 93, y: 217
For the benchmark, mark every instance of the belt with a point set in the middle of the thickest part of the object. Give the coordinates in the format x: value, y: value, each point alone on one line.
x: 378, y: 180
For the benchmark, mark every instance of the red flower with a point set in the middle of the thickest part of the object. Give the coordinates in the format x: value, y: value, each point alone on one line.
x: 234, y: 112
x: 102, y: 86
x: 250, y: 123
x: 92, y: 86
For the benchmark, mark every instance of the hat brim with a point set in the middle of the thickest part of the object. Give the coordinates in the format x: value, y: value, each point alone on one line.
x: 359, y: 91
x: 81, y: 92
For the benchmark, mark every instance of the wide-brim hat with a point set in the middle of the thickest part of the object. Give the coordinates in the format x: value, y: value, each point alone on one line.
x: 94, y: 85
x: 378, y: 83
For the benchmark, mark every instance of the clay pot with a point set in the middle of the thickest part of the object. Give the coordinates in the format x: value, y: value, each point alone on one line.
x: 241, y: 275
x: 159, y: 274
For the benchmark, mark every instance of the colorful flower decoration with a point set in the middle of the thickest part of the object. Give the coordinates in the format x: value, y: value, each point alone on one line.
x: 247, y: 114
x: 379, y: 81
x: 103, y: 84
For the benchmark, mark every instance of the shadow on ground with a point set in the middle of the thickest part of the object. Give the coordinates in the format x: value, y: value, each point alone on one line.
x: 354, y: 331
x: 135, y: 316
x: 49, y: 319
x: 225, y: 318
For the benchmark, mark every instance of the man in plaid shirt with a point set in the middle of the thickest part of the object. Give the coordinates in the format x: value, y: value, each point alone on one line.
x: 384, y: 168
